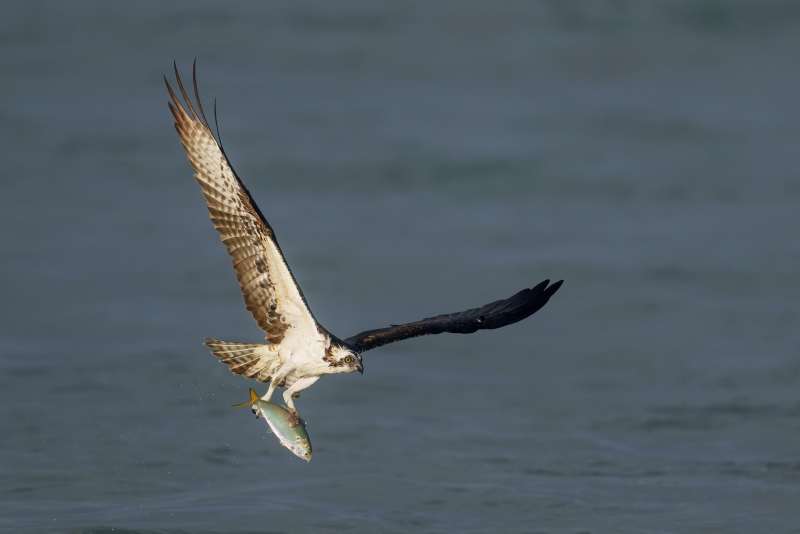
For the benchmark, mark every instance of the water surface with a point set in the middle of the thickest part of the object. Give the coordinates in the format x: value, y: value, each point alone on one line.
x: 414, y: 159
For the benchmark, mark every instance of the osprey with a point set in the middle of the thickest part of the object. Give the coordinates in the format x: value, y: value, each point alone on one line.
x: 298, y: 349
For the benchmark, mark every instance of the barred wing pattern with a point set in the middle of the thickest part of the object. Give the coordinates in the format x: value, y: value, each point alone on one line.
x: 493, y: 315
x: 268, y: 286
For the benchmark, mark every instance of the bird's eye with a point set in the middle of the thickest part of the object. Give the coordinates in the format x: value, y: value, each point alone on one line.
x: 348, y: 360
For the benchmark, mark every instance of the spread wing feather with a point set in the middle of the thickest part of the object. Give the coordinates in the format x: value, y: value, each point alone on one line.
x: 270, y: 291
x: 493, y: 315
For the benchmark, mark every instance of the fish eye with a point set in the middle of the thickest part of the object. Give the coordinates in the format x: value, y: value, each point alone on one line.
x: 348, y: 360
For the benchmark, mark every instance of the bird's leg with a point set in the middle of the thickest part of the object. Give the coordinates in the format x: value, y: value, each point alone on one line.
x: 294, y: 418
x: 267, y: 396
x: 301, y: 384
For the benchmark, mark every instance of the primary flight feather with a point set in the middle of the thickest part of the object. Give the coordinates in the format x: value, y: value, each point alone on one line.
x: 299, y: 350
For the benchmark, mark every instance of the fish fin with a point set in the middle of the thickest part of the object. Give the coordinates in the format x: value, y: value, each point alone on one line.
x: 253, y: 398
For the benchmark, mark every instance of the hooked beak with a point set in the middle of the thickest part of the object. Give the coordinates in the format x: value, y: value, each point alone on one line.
x: 360, y: 368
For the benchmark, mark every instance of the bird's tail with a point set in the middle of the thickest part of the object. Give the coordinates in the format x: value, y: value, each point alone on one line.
x: 251, y: 360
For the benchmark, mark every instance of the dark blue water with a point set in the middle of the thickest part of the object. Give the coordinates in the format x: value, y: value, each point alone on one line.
x: 414, y: 159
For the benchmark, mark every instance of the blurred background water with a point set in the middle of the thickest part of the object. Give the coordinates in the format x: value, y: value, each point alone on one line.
x: 414, y: 158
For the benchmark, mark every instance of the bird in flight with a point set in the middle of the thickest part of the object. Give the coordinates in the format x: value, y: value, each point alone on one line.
x: 298, y: 350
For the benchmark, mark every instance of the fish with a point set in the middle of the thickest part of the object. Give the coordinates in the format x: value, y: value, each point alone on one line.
x: 287, y: 425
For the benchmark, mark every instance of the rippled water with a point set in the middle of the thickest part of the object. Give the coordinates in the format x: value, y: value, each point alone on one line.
x: 414, y: 159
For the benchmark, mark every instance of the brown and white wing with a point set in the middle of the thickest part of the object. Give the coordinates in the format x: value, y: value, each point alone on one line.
x: 270, y: 291
x: 489, y: 316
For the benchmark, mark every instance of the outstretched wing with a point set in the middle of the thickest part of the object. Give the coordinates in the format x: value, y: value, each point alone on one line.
x: 269, y: 289
x: 493, y: 315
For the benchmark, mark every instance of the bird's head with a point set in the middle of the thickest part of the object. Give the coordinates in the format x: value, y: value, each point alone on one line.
x: 343, y: 360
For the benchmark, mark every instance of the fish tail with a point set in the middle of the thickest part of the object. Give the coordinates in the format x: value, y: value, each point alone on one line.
x: 253, y: 398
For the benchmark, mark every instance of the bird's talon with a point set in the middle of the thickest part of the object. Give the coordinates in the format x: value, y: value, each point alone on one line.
x: 294, y: 419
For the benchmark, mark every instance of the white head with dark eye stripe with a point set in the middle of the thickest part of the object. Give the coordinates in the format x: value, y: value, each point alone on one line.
x: 352, y: 361
x: 343, y: 360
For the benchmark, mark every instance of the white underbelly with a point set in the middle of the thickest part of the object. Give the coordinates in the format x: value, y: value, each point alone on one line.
x: 302, y: 357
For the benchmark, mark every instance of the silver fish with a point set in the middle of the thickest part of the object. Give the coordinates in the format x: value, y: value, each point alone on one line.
x: 287, y: 425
